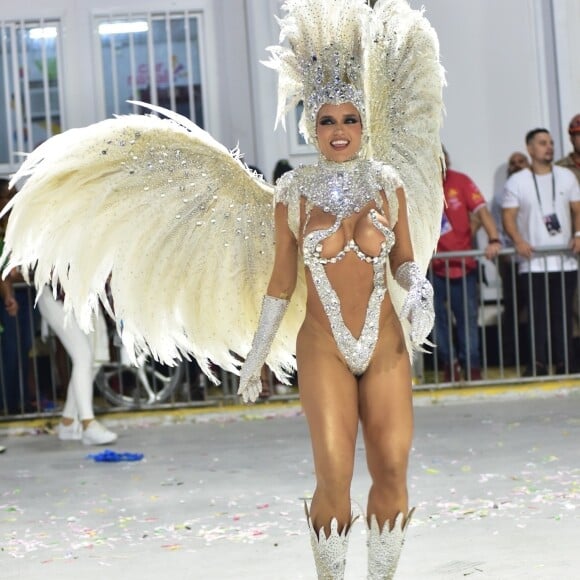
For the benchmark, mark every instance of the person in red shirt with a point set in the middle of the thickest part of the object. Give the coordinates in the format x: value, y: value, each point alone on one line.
x: 455, y: 279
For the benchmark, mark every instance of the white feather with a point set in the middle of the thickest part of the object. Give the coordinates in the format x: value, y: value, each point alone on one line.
x: 404, y: 85
x: 178, y: 226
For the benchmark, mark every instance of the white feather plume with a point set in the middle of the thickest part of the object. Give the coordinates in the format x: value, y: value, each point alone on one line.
x: 178, y: 226
x: 404, y: 85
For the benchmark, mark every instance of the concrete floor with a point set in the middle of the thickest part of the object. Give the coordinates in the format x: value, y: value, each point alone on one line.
x: 219, y: 496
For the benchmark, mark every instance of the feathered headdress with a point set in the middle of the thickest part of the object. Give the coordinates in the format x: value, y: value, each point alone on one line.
x: 384, y: 60
x: 323, y: 60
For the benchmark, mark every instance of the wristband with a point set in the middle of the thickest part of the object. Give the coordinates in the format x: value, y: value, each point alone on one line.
x: 498, y: 241
x: 577, y: 234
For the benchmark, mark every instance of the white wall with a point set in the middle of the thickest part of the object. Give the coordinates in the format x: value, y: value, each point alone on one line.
x: 232, y: 68
x: 492, y: 51
x: 271, y: 145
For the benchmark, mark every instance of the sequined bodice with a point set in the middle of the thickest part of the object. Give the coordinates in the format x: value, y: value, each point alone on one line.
x: 357, y: 352
x: 342, y: 190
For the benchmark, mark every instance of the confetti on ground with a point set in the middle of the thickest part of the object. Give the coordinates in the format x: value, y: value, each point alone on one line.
x: 204, y: 496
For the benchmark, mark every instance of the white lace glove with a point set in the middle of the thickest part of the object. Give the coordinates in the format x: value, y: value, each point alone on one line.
x: 273, y: 310
x: 418, y: 306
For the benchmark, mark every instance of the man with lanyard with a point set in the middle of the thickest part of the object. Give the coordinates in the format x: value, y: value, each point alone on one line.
x: 541, y: 208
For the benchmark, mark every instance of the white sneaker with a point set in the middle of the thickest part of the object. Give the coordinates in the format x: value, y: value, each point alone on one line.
x: 97, y: 434
x: 72, y: 432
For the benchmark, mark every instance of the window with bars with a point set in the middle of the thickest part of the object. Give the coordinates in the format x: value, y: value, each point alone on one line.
x: 30, y: 90
x: 155, y: 58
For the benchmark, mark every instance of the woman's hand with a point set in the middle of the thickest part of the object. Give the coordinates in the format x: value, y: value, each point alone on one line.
x: 250, y: 386
x: 418, y: 306
x: 271, y: 315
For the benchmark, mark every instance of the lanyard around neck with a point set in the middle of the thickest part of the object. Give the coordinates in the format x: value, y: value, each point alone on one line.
x: 538, y: 191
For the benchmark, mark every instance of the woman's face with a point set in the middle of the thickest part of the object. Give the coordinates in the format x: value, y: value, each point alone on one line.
x: 339, y: 131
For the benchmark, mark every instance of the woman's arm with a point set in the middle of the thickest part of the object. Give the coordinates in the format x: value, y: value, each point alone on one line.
x: 274, y: 305
x: 402, y: 251
x: 418, y: 305
x: 284, y: 273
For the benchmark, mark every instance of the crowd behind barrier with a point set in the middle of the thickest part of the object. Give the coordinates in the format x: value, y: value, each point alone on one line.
x: 504, y: 325
x: 507, y: 330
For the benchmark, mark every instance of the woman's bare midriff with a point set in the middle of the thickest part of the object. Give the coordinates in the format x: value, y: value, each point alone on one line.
x: 352, y: 281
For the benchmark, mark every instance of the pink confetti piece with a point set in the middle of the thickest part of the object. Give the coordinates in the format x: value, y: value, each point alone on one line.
x: 172, y: 547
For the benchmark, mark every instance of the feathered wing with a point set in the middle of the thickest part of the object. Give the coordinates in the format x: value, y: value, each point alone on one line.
x: 175, y: 224
x: 405, y: 106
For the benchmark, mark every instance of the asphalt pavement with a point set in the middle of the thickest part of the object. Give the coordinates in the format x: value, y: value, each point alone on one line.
x: 218, y: 495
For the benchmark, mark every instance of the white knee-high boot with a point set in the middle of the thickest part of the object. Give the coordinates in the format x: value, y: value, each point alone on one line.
x: 385, y: 546
x: 329, y: 552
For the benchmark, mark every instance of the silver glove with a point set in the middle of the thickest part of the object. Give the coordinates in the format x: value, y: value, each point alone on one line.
x: 418, y: 305
x: 273, y: 310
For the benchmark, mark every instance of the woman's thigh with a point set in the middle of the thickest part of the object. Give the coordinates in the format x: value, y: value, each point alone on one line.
x: 329, y: 397
x: 386, y: 403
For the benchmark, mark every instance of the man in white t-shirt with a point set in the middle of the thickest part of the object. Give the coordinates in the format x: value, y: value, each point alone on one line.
x: 541, y: 209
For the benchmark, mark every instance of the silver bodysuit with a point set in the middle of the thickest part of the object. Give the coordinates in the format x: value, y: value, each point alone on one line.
x: 343, y: 189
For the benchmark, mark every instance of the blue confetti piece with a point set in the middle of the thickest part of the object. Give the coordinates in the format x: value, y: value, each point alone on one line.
x: 110, y: 456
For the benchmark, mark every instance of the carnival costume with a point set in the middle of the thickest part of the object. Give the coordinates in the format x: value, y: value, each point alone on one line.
x: 182, y: 232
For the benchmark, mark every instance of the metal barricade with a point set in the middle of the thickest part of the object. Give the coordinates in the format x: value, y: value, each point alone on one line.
x: 495, y: 325
x: 19, y: 376
x: 34, y: 374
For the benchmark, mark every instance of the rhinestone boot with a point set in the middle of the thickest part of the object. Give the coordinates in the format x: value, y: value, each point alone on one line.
x: 329, y: 553
x: 385, y: 547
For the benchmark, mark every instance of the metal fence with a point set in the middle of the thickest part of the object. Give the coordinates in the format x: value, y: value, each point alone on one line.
x: 497, y: 325
x: 487, y: 332
x: 35, y: 370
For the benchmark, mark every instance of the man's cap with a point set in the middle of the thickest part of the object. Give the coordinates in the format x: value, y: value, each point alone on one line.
x: 574, y: 126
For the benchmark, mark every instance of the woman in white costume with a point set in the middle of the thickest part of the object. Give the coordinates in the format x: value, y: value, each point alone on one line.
x: 189, y: 243
x: 78, y: 419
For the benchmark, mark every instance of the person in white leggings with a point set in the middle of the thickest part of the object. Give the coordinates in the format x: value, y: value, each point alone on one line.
x: 78, y: 420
